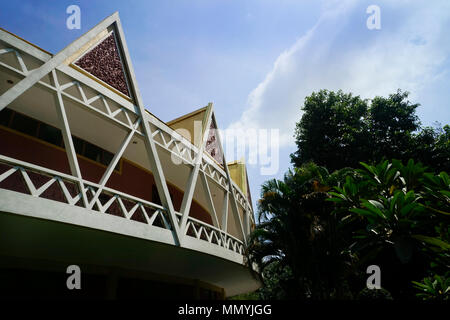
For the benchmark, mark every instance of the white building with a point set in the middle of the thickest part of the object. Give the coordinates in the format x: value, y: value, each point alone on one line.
x: 89, y: 177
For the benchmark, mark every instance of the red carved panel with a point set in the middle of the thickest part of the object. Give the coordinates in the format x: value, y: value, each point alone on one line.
x: 104, y: 62
x: 212, y: 144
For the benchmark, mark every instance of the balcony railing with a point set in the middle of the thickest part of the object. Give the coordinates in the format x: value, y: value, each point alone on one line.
x: 68, y: 85
x: 40, y: 182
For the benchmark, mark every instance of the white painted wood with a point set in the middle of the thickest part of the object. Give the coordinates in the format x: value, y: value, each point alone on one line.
x: 218, y: 174
x: 210, y: 200
x: 24, y: 46
x: 155, y: 164
x: 67, y: 137
x: 192, y: 181
x: 12, y: 93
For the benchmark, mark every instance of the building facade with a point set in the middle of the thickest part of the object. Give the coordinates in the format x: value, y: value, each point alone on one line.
x: 89, y: 177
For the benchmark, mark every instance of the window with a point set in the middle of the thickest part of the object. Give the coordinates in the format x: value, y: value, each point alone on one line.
x: 92, y: 152
x: 5, y: 117
x: 50, y: 134
x: 107, y: 157
x: 78, y: 145
x: 24, y: 124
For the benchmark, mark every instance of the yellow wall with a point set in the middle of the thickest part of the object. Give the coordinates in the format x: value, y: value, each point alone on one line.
x: 237, y: 173
x: 186, y: 126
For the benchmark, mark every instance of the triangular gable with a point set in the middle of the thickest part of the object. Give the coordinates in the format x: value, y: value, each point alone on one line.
x: 191, y: 125
x: 104, y: 59
x: 238, y: 174
x: 104, y: 62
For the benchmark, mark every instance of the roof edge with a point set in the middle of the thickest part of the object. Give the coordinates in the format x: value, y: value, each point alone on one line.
x: 188, y: 115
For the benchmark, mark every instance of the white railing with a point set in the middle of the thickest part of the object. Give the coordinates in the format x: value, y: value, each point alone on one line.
x: 109, y: 201
x: 125, y: 117
x: 122, y: 113
x: 203, y: 231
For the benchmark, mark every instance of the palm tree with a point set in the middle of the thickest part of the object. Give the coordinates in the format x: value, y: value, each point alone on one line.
x: 298, y: 234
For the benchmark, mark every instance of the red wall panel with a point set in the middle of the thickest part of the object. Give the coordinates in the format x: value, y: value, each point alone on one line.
x: 132, y: 179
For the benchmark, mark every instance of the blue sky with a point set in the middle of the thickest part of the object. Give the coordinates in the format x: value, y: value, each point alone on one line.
x: 257, y: 60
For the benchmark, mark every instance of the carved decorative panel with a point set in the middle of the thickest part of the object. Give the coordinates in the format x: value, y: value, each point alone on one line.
x: 104, y: 62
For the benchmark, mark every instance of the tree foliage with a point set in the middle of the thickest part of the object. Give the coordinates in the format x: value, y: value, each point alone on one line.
x: 339, y: 130
x: 297, y: 232
x: 403, y: 218
x: 319, y: 231
x: 391, y: 214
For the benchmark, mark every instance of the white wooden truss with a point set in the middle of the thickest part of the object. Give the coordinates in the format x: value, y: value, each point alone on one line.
x: 46, y: 72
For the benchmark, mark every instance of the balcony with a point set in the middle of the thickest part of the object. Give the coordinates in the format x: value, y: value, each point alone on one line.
x: 142, y: 198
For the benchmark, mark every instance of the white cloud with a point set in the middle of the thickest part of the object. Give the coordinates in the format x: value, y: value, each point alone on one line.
x: 339, y: 52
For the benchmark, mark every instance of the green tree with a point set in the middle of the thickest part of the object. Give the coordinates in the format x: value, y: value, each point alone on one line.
x: 432, y: 146
x: 338, y: 130
x: 391, y: 124
x: 442, y: 149
x: 435, y: 288
x: 332, y: 131
x: 403, y: 213
x: 298, y: 233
